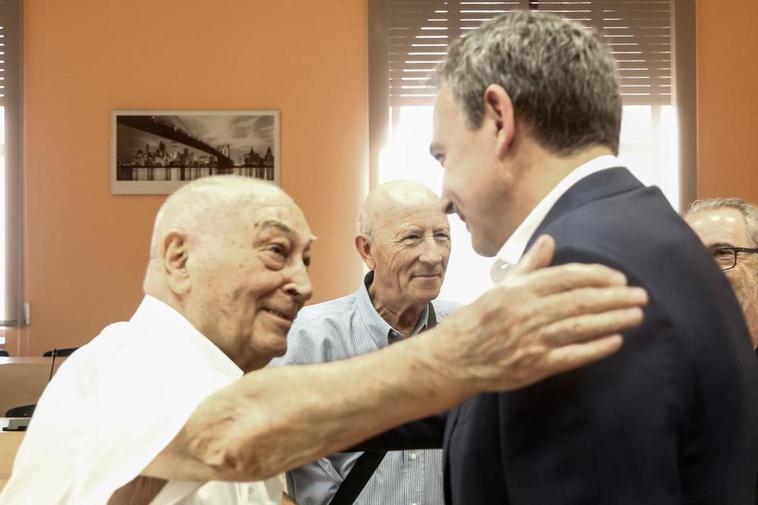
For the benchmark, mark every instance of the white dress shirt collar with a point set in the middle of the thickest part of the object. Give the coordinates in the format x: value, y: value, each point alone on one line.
x: 514, y: 247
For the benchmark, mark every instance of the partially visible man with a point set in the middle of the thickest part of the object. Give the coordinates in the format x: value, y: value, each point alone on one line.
x: 404, y: 240
x: 526, y: 127
x: 153, y: 408
x: 728, y: 227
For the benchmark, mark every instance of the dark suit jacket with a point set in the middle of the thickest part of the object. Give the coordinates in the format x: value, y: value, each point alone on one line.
x: 670, y: 419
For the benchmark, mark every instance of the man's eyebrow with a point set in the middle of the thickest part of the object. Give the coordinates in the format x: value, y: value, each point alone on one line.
x: 273, y: 223
x: 719, y: 245
x: 407, y: 228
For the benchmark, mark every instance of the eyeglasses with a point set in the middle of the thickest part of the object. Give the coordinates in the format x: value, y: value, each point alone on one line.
x: 726, y: 257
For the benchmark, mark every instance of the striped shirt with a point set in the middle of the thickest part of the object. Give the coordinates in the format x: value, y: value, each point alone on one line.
x: 339, y: 329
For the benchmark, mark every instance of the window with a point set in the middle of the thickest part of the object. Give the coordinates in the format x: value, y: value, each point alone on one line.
x: 10, y: 164
x: 408, y: 38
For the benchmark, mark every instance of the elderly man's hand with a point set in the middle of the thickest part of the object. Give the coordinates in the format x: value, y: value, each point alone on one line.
x: 540, y: 321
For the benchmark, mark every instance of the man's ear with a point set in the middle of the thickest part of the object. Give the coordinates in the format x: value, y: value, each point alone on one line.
x: 363, y: 246
x: 498, y: 109
x: 175, y: 259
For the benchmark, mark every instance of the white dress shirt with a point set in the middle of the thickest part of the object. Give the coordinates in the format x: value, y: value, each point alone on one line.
x: 514, y: 247
x: 114, y: 405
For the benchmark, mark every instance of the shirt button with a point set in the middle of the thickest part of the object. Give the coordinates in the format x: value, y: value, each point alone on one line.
x: 413, y: 457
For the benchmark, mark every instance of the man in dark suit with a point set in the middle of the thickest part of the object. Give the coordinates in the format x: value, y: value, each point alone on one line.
x: 526, y: 126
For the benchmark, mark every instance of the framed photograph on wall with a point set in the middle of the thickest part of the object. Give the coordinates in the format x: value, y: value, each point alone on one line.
x: 154, y: 152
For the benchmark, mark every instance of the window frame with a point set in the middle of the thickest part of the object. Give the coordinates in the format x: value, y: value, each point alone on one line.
x: 683, y: 89
x: 11, y: 19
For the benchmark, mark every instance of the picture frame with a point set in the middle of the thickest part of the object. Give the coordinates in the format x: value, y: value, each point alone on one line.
x: 154, y: 152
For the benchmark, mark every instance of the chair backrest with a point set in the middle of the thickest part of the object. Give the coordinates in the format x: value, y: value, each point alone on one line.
x: 23, y: 380
x: 21, y: 411
x: 59, y: 352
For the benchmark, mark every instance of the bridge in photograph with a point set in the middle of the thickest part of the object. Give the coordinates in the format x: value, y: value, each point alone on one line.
x: 158, y: 126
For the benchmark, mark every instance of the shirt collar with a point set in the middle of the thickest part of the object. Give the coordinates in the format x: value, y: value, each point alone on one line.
x: 377, y: 327
x: 514, y: 247
x: 159, y: 318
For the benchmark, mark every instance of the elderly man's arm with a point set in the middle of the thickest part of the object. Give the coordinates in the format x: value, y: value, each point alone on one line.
x: 538, y: 323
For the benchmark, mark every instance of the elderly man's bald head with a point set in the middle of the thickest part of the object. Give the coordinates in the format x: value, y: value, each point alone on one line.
x: 231, y: 254
x: 404, y: 239
x: 393, y: 196
x: 205, y: 204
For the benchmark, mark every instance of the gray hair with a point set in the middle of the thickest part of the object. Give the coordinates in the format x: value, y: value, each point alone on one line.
x: 748, y: 210
x: 366, y: 222
x: 559, y: 75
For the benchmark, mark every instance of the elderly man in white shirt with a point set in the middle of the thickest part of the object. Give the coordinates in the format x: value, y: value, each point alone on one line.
x: 160, y: 408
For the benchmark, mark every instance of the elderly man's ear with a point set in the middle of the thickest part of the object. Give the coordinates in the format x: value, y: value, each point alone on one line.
x: 175, y: 256
x: 363, y: 246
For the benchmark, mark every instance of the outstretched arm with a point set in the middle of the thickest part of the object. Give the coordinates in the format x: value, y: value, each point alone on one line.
x: 539, y: 322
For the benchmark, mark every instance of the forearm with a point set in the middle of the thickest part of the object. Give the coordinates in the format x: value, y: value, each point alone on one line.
x: 272, y: 420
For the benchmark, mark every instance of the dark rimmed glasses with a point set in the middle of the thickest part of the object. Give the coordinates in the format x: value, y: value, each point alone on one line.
x: 726, y: 257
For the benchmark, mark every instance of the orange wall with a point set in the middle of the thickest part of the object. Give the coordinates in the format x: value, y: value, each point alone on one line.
x: 86, y: 249
x: 727, y: 44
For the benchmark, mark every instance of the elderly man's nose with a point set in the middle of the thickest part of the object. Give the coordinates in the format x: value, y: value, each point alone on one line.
x: 300, y: 284
x: 432, y: 251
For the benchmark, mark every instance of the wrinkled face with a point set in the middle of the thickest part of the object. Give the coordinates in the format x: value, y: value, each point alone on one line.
x: 250, y: 278
x: 474, y: 186
x: 725, y: 227
x: 410, y: 249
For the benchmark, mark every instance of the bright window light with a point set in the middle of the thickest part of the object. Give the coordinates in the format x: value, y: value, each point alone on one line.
x: 648, y: 148
x: 3, y: 263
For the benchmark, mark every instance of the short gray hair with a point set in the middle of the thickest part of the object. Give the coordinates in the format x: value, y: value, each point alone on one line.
x: 366, y: 222
x: 560, y: 77
x: 748, y: 210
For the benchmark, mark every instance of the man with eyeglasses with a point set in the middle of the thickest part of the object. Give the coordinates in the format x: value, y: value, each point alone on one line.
x: 729, y: 229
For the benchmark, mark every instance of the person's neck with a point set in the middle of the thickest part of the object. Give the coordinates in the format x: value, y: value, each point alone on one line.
x: 402, y: 317
x: 242, y: 356
x: 541, y: 171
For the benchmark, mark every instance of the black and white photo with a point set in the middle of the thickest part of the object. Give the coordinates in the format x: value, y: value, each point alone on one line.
x: 155, y: 152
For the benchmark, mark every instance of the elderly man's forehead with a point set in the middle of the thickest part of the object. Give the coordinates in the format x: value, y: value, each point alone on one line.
x: 403, y: 216
x: 724, y: 226
x: 719, y: 217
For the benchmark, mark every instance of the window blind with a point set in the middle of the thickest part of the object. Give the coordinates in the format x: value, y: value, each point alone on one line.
x: 11, y: 298
x: 637, y: 32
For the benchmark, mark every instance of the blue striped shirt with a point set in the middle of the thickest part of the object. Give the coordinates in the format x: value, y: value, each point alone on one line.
x: 339, y: 329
